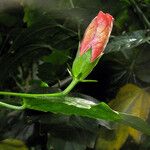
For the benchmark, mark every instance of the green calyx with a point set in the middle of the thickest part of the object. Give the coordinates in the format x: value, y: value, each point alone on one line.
x: 82, y: 65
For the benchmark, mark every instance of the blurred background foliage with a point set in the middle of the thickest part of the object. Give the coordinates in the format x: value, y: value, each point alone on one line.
x: 38, y: 42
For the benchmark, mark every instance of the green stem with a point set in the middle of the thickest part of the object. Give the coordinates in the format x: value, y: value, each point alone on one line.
x: 70, y: 87
x: 11, y: 106
x: 88, y: 81
x: 27, y: 95
x: 65, y: 92
x: 71, y: 3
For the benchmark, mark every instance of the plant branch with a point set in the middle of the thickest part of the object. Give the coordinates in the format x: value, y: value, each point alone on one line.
x: 65, y: 92
x: 71, y: 3
x: 70, y: 87
x: 63, y: 82
x: 141, y: 14
x: 11, y: 106
x: 28, y: 95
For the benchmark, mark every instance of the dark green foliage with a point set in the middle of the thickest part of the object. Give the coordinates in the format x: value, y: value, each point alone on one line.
x: 38, y: 42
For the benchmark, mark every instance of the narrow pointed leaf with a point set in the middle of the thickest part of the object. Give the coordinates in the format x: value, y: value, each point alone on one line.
x: 81, y: 107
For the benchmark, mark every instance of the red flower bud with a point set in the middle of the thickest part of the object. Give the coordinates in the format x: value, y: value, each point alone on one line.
x: 95, y: 39
x: 96, y: 35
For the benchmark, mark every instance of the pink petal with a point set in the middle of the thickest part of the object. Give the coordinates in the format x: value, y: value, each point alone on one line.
x: 88, y: 36
x: 97, y: 34
x: 102, y: 34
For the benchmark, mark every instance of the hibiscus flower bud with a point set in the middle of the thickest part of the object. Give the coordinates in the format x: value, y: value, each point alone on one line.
x: 93, y: 44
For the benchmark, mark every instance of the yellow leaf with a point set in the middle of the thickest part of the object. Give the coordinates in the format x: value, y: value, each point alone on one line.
x: 12, y: 144
x: 111, y: 139
x: 132, y: 100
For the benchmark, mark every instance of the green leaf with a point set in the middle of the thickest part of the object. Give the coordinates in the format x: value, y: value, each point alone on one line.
x: 57, y: 57
x: 122, y: 18
x: 35, y: 42
x: 122, y: 67
x: 128, y: 41
x: 137, y: 123
x: 72, y: 106
x: 59, y: 144
x: 51, y: 72
x: 81, y: 107
x: 7, y: 19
